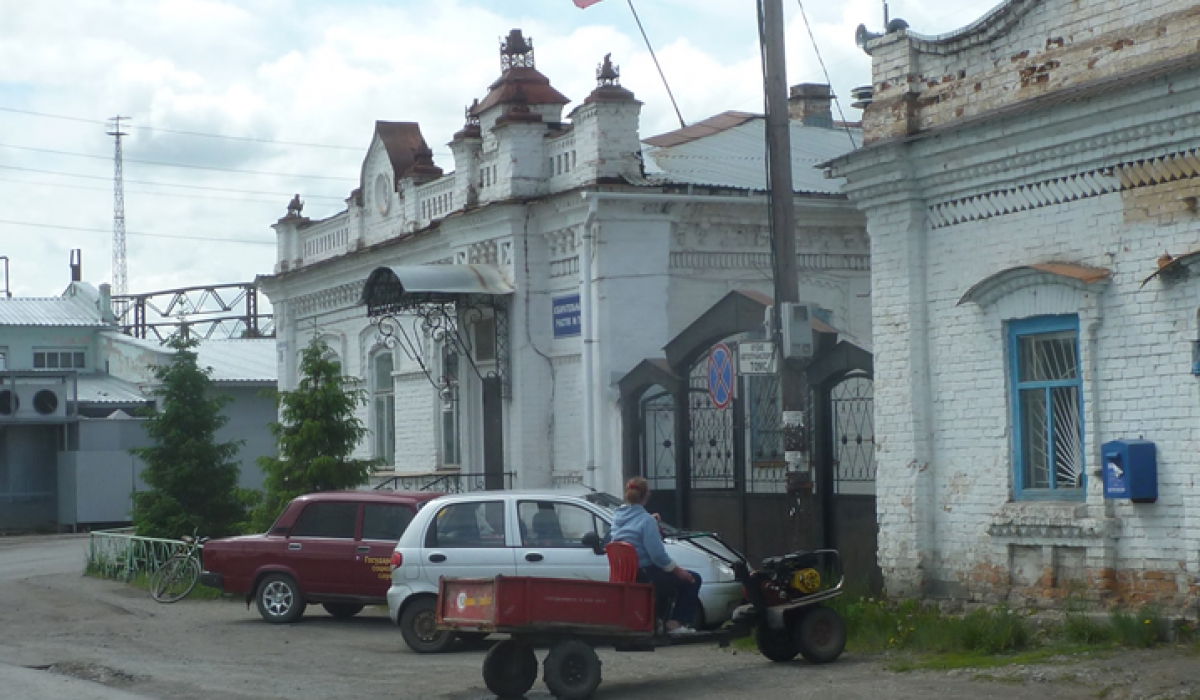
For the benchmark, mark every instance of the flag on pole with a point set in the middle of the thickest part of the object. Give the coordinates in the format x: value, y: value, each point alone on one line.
x: 585, y: 3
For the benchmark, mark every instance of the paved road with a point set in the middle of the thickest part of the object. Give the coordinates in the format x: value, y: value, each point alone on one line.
x: 66, y: 636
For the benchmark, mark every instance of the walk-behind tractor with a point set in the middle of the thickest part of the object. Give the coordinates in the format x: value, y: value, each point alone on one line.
x: 572, y: 616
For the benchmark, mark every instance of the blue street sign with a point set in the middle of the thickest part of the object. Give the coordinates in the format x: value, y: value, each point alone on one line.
x: 566, y: 316
x: 720, y: 375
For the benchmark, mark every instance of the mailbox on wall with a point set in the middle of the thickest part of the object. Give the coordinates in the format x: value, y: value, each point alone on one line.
x: 1130, y: 470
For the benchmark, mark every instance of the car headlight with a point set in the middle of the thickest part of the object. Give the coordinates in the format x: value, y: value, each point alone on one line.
x: 724, y: 573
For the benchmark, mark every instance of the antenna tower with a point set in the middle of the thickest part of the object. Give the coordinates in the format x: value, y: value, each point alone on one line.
x: 119, y: 280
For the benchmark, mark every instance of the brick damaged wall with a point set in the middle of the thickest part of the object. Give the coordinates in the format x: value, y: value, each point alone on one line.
x: 1053, y: 47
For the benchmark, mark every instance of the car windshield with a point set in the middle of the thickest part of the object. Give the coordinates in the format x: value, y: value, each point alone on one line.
x: 609, y: 502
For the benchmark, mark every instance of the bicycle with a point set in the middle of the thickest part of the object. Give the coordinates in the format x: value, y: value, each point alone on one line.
x: 176, y: 578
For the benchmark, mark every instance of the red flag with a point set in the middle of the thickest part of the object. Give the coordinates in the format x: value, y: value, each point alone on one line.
x: 585, y: 3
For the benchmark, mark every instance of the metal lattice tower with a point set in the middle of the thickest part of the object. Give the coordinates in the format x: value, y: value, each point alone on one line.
x: 119, y: 278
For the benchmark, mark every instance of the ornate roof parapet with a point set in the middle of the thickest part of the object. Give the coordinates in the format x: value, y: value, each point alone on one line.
x: 423, y: 168
x: 516, y: 51
x: 470, y: 129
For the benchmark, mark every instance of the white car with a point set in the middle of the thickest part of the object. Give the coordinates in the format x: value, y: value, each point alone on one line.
x: 521, y: 533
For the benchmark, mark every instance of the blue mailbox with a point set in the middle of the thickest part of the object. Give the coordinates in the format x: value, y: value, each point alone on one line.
x: 1130, y: 470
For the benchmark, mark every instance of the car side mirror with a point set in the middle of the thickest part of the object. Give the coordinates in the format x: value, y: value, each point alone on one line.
x: 592, y: 540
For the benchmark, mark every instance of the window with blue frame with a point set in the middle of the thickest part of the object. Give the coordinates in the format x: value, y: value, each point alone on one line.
x: 1047, y: 400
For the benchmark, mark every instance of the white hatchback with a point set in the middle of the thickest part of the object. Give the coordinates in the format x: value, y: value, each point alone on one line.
x: 515, y: 533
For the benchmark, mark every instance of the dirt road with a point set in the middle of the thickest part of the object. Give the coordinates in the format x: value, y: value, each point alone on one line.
x: 123, y: 645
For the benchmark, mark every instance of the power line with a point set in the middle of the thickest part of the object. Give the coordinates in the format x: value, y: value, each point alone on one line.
x: 166, y: 184
x: 178, y: 165
x: 206, y: 239
x: 682, y: 124
x: 825, y: 70
x: 207, y: 197
x: 201, y: 134
x: 185, y: 133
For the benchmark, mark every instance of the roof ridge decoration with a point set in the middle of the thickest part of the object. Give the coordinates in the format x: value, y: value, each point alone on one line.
x: 608, y: 84
x: 982, y: 31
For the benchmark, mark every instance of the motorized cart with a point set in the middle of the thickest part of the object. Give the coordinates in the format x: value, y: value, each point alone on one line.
x: 574, y: 616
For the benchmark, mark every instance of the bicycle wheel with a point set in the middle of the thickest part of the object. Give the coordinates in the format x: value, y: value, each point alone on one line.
x: 174, y: 579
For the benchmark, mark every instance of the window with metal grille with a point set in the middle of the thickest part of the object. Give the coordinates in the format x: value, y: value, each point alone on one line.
x: 1047, y: 404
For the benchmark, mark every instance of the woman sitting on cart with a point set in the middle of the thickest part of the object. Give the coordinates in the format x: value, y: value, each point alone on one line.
x: 632, y: 524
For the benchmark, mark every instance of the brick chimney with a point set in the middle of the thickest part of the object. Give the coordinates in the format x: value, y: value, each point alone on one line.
x: 810, y: 103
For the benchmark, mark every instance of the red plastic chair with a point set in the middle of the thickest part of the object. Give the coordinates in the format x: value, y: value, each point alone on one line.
x: 622, y: 562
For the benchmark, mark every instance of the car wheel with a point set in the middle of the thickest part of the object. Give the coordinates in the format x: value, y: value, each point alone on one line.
x: 776, y: 645
x: 342, y: 610
x: 572, y: 670
x: 821, y: 635
x: 418, y: 626
x: 510, y: 669
x: 279, y: 599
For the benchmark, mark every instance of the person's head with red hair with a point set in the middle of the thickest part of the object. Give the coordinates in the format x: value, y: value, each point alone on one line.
x: 637, y: 491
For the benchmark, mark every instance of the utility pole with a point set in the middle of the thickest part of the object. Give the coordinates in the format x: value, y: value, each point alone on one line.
x: 120, y: 285
x: 783, y: 240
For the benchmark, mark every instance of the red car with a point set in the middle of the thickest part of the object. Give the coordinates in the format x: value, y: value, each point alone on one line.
x: 332, y: 548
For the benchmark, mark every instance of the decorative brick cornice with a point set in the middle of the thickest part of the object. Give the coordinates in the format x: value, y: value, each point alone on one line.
x: 762, y: 261
x: 339, y: 297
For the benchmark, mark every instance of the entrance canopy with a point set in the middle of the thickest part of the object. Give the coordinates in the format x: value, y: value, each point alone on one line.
x: 392, y: 289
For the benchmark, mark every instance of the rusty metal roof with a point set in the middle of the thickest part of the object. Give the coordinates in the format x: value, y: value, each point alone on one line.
x: 520, y: 84
x: 991, y: 287
x: 402, y: 140
x: 728, y: 151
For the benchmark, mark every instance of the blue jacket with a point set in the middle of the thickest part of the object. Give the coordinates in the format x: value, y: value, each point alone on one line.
x: 634, y: 525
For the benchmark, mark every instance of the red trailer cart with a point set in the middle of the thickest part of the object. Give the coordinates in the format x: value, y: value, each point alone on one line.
x: 573, y: 616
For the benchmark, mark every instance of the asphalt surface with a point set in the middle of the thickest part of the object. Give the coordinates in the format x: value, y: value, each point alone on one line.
x: 63, y: 635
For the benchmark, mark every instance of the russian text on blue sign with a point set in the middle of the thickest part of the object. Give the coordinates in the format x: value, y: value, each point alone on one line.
x: 566, y: 316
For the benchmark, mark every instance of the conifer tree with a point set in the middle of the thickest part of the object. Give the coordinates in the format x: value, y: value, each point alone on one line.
x: 317, y: 434
x: 193, y: 479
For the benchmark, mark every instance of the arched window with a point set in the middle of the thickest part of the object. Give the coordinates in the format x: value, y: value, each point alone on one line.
x: 383, y: 404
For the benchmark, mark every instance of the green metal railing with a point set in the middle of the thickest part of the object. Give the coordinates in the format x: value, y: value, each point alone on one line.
x: 122, y: 555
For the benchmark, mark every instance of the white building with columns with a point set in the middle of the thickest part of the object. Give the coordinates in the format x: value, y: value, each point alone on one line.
x: 556, y: 256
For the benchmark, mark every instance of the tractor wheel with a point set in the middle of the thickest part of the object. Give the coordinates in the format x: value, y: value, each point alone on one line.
x: 776, y: 645
x: 572, y: 670
x: 510, y: 669
x: 821, y: 635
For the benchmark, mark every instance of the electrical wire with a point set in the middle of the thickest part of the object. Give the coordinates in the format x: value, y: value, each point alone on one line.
x: 138, y: 233
x: 825, y: 70
x: 176, y: 165
x: 166, y: 184
x: 141, y: 193
x: 682, y: 124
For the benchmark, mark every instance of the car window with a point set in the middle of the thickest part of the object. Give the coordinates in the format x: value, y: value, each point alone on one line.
x: 554, y: 524
x: 385, y: 521
x: 468, y: 525
x: 334, y: 520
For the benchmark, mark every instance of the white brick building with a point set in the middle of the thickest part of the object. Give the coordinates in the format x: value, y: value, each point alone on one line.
x: 596, y: 264
x: 1023, y: 179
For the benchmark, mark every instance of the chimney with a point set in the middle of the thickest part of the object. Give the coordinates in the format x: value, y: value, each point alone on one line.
x: 809, y: 103
x: 76, y: 265
x: 105, y: 304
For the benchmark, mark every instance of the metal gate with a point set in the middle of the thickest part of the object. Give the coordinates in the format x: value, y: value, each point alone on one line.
x: 851, y: 521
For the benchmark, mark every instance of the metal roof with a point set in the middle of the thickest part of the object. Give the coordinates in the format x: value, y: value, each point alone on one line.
x: 728, y: 150
x: 988, y: 289
x: 239, y: 359
x: 104, y: 388
x: 76, y: 307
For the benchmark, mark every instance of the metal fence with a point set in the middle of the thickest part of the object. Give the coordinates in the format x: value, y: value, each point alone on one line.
x: 122, y: 555
x: 457, y: 482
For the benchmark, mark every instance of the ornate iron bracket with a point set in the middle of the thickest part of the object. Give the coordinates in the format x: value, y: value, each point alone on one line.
x: 409, y: 320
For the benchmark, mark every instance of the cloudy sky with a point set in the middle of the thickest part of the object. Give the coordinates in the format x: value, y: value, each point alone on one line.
x: 235, y: 106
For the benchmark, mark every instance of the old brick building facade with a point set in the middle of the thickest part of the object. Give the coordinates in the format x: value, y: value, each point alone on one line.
x: 1030, y: 183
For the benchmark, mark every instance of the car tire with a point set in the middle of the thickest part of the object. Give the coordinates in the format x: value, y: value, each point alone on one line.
x: 776, y: 645
x: 343, y: 610
x: 572, y: 670
x: 418, y: 626
x: 820, y: 635
x: 510, y: 669
x: 279, y: 599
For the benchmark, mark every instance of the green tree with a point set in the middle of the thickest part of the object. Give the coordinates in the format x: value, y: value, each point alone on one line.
x: 192, y: 478
x: 317, y: 433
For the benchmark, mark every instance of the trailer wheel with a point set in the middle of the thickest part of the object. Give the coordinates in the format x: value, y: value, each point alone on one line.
x: 510, y: 669
x: 776, y: 645
x: 821, y: 635
x: 572, y: 670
